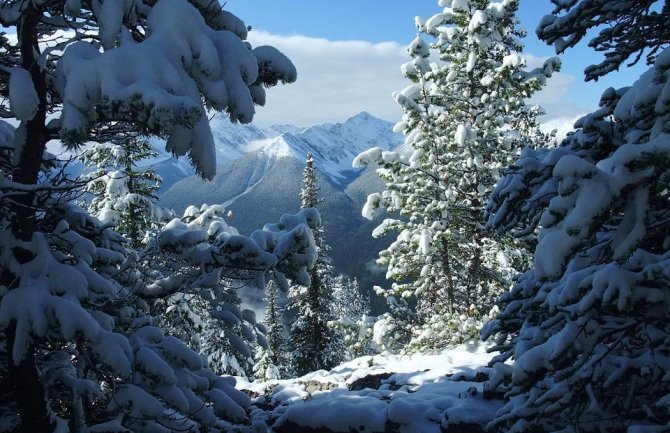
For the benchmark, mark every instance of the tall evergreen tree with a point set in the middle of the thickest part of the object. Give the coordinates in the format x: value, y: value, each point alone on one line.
x: 314, y: 343
x: 588, y: 325
x: 309, y: 193
x: 465, y: 118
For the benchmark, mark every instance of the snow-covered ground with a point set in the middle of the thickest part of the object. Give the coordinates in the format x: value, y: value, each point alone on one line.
x: 406, y: 394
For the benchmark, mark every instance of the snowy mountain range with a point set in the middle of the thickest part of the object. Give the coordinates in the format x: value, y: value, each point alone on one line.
x: 259, y: 177
x: 333, y: 146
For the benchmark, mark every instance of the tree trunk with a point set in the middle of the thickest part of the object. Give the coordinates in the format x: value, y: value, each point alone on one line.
x: 36, y: 137
x: 28, y: 390
x: 29, y: 393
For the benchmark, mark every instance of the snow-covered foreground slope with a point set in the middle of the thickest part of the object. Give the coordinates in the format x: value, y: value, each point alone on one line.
x: 405, y: 394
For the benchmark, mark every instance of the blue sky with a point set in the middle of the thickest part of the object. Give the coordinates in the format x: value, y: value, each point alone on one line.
x: 309, y: 30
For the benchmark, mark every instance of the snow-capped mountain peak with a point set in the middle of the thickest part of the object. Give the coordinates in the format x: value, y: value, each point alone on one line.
x: 286, y: 145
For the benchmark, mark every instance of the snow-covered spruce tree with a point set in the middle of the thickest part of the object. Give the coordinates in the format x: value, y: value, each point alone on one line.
x: 265, y: 368
x: 314, y: 344
x: 350, y: 304
x: 78, y: 351
x: 271, y: 357
x: 588, y: 326
x: 465, y: 119
x: 123, y: 194
x: 231, y: 336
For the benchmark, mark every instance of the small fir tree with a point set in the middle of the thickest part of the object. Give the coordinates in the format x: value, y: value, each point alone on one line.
x: 465, y: 118
x: 275, y: 328
x: 265, y: 368
x: 352, y: 309
x: 123, y: 194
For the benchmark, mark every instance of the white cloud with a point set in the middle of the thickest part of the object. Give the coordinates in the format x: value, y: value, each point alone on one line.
x: 336, y: 79
x: 561, y: 113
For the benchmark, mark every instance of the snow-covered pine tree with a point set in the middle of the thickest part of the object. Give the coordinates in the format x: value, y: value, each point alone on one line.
x: 265, y: 367
x: 79, y: 351
x: 309, y: 193
x: 123, y: 194
x: 392, y: 331
x: 465, y: 119
x: 350, y: 303
x: 351, y: 310
x: 588, y: 326
x: 314, y: 344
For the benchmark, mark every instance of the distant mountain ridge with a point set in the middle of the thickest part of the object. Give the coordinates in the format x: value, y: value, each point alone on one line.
x: 333, y: 146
